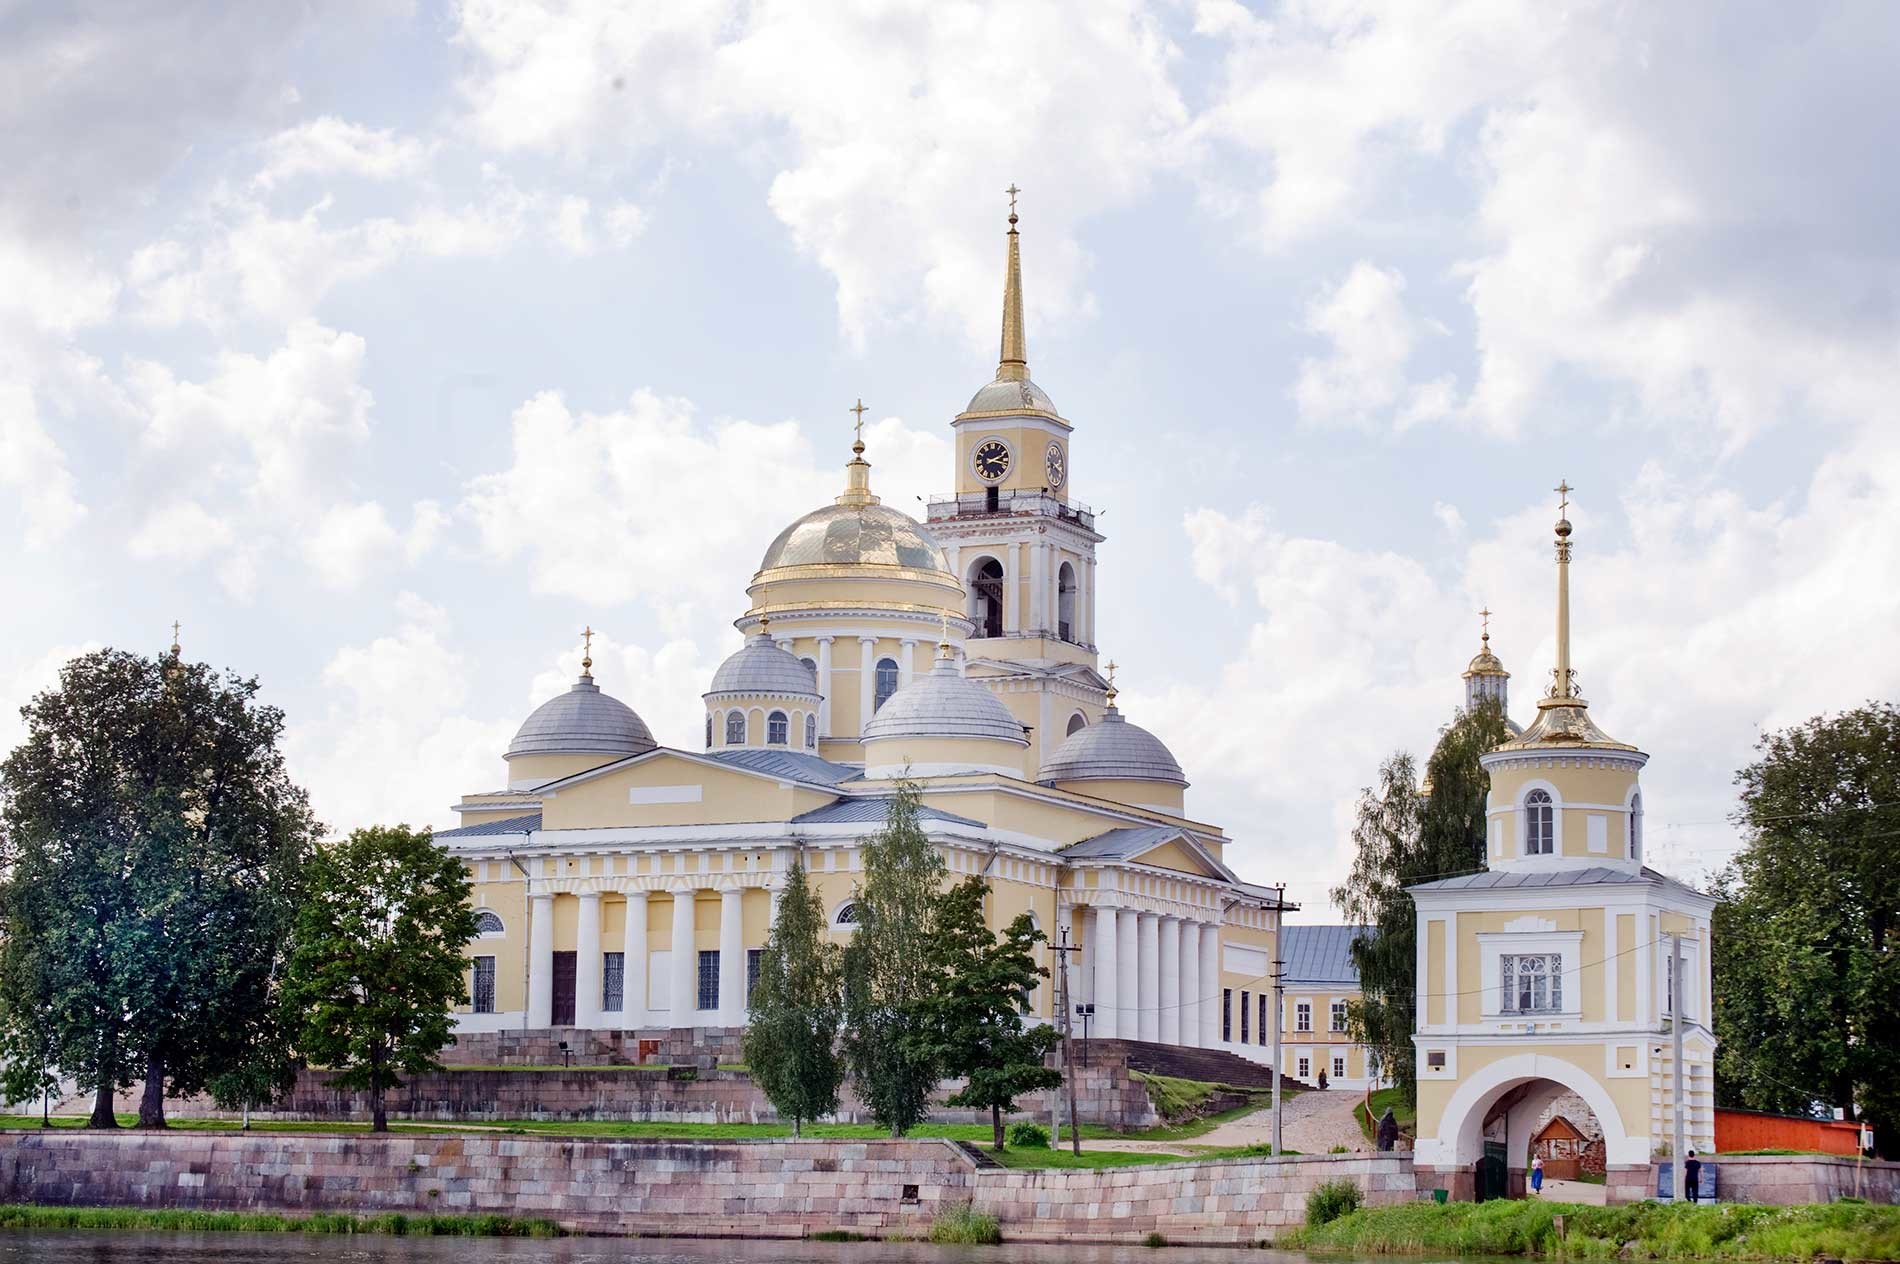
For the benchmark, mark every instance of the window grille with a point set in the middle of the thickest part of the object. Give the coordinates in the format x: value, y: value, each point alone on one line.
x: 709, y: 979
x: 487, y: 923
x: 483, y: 990
x: 848, y: 915
x: 613, y: 981
x: 886, y: 680
x: 1533, y: 983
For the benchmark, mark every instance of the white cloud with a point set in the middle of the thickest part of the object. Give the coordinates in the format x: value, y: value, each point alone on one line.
x: 34, y: 469
x: 1373, y: 335
x: 646, y: 501
x: 330, y: 146
x: 353, y: 539
x: 181, y: 531
x: 20, y: 681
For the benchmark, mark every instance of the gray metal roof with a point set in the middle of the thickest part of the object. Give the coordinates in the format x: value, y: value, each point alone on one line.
x: 1120, y: 844
x: 511, y: 825
x: 790, y: 765
x: 582, y: 721
x: 1012, y: 397
x: 1594, y: 875
x: 859, y: 535
x: 873, y: 810
x: 1320, y: 954
x: 1112, y: 749
x: 760, y: 666
x: 944, y: 703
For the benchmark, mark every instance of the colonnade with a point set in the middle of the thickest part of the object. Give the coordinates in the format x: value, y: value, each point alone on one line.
x: 682, y: 966
x: 1152, y: 976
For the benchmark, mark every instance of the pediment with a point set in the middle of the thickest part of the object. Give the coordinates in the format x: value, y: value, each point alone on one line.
x: 1183, y: 855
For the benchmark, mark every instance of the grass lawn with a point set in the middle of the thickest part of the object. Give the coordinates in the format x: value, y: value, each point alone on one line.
x: 1381, y: 1098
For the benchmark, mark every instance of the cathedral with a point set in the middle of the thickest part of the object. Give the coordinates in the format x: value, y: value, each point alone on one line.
x: 624, y: 885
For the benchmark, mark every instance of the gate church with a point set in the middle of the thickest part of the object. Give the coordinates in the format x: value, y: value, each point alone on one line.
x: 627, y: 886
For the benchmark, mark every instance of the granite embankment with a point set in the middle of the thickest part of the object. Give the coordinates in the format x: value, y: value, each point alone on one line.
x: 740, y: 1189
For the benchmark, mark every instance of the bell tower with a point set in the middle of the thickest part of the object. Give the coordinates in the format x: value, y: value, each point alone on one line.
x: 1023, y: 546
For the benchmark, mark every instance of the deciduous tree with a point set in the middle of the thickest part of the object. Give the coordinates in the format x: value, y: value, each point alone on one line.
x: 791, y: 1036
x: 377, y: 960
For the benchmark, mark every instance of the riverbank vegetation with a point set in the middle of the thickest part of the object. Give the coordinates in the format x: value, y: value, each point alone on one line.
x: 1842, y: 1231
x: 22, y: 1216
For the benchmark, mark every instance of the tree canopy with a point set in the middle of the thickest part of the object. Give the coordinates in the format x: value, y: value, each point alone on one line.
x: 1807, y: 968
x: 154, y: 848
x: 377, y: 960
x: 792, y: 1031
x: 1401, y: 837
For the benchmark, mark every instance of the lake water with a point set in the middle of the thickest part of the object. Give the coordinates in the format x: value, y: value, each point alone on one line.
x: 86, y: 1247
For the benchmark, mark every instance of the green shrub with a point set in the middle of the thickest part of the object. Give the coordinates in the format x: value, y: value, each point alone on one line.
x: 838, y: 1235
x: 1330, y: 1201
x: 1028, y: 1136
x: 1154, y: 1239
x: 964, y: 1225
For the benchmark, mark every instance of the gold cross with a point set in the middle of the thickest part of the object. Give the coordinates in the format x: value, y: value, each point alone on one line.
x: 1112, y: 665
x: 174, y: 629
x: 1563, y: 489
x: 1012, y: 190
x: 1486, y: 612
x: 858, y: 425
x: 587, y: 648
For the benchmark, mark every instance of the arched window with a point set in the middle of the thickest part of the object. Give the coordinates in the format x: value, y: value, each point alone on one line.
x: 811, y: 665
x: 811, y: 732
x: 1636, y: 828
x: 775, y: 733
x: 1077, y: 723
x: 1540, y: 824
x: 735, y: 728
x: 1065, y: 603
x: 487, y: 924
x: 709, y: 730
x: 886, y: 680
x: 847, y: 918
x: 986, y: 597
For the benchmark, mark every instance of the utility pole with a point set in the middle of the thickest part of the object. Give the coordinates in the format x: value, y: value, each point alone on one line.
x: 1279, y: 1007
x: 1677, y: 1151
x: 1062, y: 952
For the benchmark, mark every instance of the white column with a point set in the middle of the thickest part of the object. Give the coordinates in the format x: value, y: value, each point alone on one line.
x: 1168, y: 994
x: 1127, y: 974
x: 1085, y: 609
x: 1149, y: 978
x: 633, y: 988
x: 685, y: 960
x: 1191, y: 998
x: 541, y: 961
x: 1038, y: 577
x: 867, y: 679
x: 1012, y: 580
x: 824, y: 686
x: 731, y: 958
x: 906, y: 663
x: 1210, y: 986
x: 1103, y: 942
x: 587, y: 963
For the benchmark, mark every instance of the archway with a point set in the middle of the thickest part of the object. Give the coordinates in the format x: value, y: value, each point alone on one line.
x: 1486, y: 1129
x: 986, y: 596
x: 1065, y: 603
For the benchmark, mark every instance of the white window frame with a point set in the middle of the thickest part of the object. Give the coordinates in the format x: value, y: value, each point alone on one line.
x: 502, y: 926
x: 1303, y: 1016
x: 1336, y: 1015
x: 784, y: 730
x: 740, y: 717
x: 1524, y: 821
x: 1493, y: 946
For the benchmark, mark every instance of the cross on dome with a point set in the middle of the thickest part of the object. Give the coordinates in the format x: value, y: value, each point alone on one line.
x: 587, y: 651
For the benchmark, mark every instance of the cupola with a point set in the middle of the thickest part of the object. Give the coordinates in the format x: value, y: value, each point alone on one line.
x: 574, y: 731
x: 940, y: 724
x: 1113, y: 759
x: 763, y: 696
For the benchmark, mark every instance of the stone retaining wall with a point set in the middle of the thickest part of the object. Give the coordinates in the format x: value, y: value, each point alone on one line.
x: 1785, y: 1180
x: 751, y: 1189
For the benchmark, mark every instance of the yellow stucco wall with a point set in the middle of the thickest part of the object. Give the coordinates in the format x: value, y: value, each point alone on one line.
x: 1597, y: 792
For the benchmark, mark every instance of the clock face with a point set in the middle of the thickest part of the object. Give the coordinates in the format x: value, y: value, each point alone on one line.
x: 1056, y: 465
x: 991, y: 460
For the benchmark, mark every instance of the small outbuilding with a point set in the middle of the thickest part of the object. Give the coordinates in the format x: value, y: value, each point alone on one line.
x: 1561, y: 1146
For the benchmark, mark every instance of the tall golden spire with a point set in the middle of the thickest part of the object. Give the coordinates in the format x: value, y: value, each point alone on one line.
x: 1565, y: 683
x: 1014, y: 364
x: 857, y: 471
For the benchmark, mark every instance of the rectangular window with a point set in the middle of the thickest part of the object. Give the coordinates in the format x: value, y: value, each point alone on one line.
x: 1227, y: 1013
x: 753, y: 956
x: 1306, y: 1068
x: 1533, y: 983
x: 483, y: 989
x: 1339, y: 1016
x: 1434, y: 1059
x: 1265, y: 1035
x: 1339, y: 1068
x: 709, y: 979
x: 1245, y: 1030
x: 613, y: 981
x: 1303, y: 1016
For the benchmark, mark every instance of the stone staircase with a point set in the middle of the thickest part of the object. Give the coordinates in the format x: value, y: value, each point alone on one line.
x: 1215, y: 1066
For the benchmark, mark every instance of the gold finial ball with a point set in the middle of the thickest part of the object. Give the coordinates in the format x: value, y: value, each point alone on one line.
x: 1563, y: 528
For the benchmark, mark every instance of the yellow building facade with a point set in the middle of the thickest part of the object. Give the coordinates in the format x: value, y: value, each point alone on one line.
x: 626, y: 885
x: 1550, y: 972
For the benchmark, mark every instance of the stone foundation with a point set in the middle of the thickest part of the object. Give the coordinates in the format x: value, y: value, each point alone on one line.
x: 749, y: 1189
x: 1784, y: 1180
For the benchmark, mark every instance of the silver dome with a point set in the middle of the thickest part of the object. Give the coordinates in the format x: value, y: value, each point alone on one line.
x: 582, y: 721
x: 760, y: 666
x: 856, y: 535
x: 1012, y: 397
x: 1112, y: 749
x: 944, y: 704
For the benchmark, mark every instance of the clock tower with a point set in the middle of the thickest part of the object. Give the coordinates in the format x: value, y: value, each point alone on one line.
x: 1023, y: 546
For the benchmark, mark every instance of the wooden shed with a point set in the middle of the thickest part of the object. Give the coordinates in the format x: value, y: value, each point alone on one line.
x: 1560, y: 1145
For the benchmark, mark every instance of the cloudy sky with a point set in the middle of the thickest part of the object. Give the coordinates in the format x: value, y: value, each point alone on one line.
x: 385, y: 345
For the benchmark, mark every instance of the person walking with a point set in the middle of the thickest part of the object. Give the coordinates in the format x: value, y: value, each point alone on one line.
x: 1537, y: 1176
x: 1692, y: 1178
x: 1388, y: 1130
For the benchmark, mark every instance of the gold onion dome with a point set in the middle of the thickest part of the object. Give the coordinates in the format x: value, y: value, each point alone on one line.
x: 855, y: 531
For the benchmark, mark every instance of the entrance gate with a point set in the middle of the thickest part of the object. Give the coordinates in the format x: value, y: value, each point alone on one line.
x: 563, y: 1008
x: 1493, y: 1172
